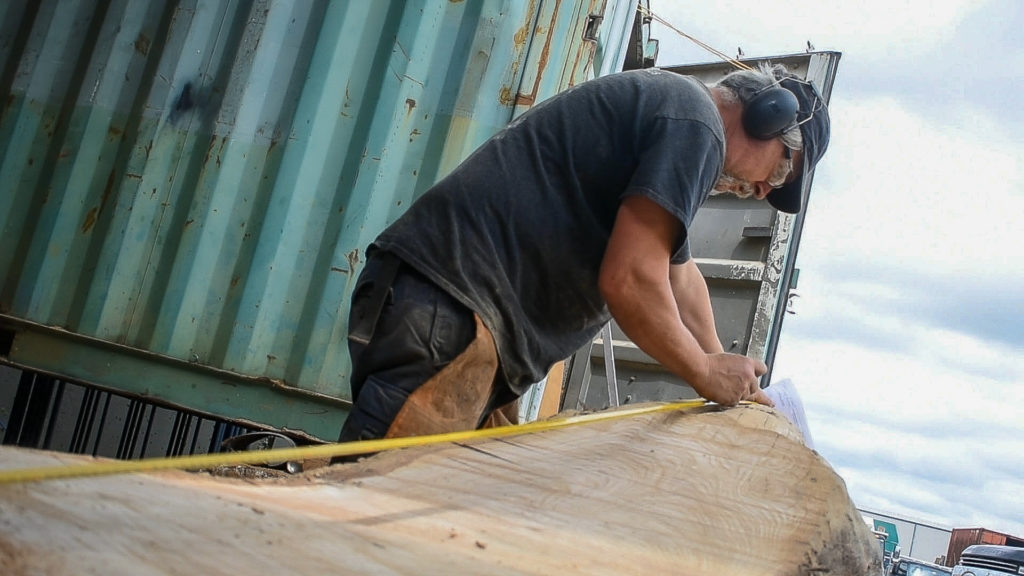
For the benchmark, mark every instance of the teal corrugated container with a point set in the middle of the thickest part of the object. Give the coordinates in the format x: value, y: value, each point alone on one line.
x: 187, y: 188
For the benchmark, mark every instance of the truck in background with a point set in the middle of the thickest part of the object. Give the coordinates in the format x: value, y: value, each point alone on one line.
x: 990, y: 560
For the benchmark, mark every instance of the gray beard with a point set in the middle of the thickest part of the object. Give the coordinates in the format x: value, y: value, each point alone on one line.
x: 731, y: 185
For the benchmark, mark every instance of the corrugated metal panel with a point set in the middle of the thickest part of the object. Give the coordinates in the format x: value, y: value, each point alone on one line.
x: 746, y: 251
x: 186, y: 188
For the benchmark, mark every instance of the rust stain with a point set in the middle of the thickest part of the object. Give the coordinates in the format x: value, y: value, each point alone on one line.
x: 142, y: 44
x: 530, y: 98
x: 520, y: 38
x: 114, y: 131
x: 505, y: 96
x: 523, y: 34
x: 209, y: 150
x: 409, y: 105
x: 90, y: 219
x: 189, y: 222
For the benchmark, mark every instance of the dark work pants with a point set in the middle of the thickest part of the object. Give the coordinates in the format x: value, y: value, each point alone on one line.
x: 419, y: 329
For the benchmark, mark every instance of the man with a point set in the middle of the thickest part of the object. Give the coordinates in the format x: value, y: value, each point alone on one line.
x: 574, y: 214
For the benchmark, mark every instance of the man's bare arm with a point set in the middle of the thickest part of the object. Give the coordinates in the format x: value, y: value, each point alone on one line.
x: 635, y: 283
x: 694, y: 302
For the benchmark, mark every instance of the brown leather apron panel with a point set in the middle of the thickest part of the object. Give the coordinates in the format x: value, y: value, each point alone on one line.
x: 506, y: 415
x: 455, y: 398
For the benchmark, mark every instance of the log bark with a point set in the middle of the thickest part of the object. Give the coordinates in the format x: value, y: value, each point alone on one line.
x: 702, y: 492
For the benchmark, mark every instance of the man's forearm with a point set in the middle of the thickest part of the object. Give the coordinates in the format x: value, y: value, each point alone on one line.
x: 636, y: 282
x: 694, y: 303
x: 639, y: 309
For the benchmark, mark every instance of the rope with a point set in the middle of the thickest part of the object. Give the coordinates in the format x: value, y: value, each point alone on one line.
x: 647, y: 12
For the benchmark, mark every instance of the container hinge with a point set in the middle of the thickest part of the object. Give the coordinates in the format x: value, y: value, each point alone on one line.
x: 593, y: 25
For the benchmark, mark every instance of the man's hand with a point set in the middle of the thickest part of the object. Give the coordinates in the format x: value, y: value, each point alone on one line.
x: 731, y: 378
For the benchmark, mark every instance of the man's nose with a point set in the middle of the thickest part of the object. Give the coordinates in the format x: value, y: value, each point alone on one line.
x: 763, y: 189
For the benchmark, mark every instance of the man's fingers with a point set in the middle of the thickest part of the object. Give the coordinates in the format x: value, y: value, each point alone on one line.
x: 761, y: 398
x: 760, y: 368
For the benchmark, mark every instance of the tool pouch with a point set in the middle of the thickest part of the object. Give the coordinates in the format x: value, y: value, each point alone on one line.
x: 457, y: 397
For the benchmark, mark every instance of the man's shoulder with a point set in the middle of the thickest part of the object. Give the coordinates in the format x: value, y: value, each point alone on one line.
x: 666, y: 94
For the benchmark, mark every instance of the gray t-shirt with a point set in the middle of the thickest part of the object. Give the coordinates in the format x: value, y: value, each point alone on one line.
x: 518, y: 231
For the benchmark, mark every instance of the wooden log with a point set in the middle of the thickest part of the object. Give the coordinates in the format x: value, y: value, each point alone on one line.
x: 703, y: 492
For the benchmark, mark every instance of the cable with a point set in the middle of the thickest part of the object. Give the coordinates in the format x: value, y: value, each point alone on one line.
x: 647, y: 12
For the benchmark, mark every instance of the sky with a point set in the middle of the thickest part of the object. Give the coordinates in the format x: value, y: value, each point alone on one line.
x: 907, y: 344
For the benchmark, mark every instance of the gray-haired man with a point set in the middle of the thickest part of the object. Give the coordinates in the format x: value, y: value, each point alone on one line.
x: 574, y: 214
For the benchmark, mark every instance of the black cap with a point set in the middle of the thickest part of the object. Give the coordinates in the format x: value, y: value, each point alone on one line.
x: 815, y: 132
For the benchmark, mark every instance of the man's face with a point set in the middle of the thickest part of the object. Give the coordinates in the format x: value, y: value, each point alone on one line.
x: 780, y: 173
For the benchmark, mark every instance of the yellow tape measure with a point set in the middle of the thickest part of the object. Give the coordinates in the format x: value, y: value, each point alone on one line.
x: 106, y: 468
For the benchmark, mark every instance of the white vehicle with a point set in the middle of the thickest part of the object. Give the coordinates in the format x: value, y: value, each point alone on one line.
x: 987, y: 560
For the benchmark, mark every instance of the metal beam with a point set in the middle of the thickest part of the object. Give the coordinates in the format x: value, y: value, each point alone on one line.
x: 255, y: 402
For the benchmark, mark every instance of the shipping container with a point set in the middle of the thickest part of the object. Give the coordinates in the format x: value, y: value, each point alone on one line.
x: 187, y: 186
x: 964, y: 537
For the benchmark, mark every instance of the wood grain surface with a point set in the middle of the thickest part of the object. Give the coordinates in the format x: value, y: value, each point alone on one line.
x: 723, y: 492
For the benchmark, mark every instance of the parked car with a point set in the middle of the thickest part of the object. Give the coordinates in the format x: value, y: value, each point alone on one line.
x: 913, y: 567
x: 989, y: 560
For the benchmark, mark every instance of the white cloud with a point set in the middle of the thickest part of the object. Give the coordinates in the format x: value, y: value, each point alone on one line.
x: 907, y: 348
x: 874, y: 29
x: 909, y: 433
x: 934, y: 197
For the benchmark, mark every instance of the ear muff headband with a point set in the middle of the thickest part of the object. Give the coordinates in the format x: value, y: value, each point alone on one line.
x: 770, y: 113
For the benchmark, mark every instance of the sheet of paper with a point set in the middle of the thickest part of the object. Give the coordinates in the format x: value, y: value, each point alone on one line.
x: 787, y: 401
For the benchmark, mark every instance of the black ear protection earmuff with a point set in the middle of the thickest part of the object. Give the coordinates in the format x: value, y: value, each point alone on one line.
x: 772, y: 111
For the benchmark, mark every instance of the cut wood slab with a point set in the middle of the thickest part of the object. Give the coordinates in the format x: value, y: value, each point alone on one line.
x: 703, y: 492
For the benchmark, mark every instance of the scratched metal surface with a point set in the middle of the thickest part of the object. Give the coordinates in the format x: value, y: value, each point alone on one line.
x: 187, y: 187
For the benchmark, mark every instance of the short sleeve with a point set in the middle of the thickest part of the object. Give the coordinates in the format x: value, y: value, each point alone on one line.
x: 679, y: 162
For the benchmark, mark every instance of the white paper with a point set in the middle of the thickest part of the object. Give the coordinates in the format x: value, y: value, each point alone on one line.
x: 787, y: 401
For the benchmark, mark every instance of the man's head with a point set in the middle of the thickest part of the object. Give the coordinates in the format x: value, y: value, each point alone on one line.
x: 796, y: 117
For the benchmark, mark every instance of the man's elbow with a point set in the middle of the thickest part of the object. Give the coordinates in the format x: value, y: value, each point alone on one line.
x: 614, y: 287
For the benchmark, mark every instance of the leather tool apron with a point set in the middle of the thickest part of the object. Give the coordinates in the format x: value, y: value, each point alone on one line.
x: 458, y: 397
